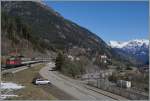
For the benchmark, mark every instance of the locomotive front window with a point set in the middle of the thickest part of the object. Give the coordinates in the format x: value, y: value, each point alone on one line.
x: 12, y: 59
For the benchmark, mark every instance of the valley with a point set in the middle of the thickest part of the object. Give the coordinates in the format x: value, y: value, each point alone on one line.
x: 70, y: 62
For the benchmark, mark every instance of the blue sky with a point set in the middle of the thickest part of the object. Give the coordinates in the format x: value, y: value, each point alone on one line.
x: 119, y: 21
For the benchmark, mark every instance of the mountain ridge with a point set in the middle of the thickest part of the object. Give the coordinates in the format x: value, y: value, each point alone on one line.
x: 53, y: 25
x: 137, y: 49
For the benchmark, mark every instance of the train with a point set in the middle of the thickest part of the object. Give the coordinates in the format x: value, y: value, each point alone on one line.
x: 17, y: 61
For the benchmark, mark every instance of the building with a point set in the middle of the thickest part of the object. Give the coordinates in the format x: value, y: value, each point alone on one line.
x: 103, y: 58
x: 71, y: 57
x: 124, y: 84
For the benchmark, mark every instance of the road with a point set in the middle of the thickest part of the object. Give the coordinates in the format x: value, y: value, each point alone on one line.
x: 75, y: 88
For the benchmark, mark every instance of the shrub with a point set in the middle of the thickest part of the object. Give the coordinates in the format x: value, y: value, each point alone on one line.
x: 128, y: 68
x: 146, y: 89
x: 71, y: 69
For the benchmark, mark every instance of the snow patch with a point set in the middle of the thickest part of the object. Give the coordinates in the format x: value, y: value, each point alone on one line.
x: 116, y: 44
x: 7, y: 89
x: 10, y: 85
x: 4, y: 96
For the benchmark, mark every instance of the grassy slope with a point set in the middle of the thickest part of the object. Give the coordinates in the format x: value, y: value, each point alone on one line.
x: 30, y: 92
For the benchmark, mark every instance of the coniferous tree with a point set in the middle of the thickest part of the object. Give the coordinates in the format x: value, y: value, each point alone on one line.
x: 59, y: 61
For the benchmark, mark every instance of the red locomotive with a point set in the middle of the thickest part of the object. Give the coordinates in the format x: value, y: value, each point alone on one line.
x: 13, y: 61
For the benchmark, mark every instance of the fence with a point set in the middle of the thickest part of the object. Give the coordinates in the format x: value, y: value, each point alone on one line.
x: 110, y: 87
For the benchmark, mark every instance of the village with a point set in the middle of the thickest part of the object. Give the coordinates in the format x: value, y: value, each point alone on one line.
x: 109, y: 80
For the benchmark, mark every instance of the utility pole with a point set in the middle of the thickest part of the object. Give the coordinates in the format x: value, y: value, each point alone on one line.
x: 97, y: 82
x: 88, y: 78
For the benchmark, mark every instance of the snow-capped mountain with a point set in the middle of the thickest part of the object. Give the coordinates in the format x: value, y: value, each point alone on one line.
x: 138, y: 49
x: 131, y: 43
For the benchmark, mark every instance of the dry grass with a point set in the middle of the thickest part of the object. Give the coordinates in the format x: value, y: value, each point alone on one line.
x: 30, y: 92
